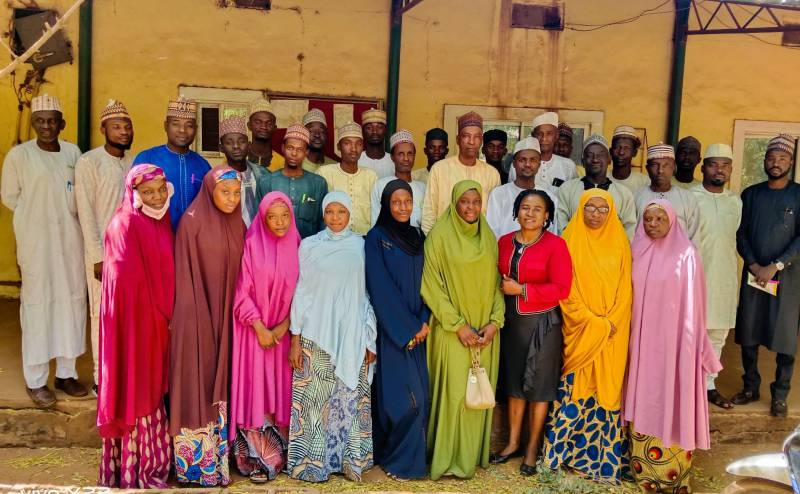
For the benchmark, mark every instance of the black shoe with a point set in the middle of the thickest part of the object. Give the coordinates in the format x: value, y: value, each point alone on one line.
x: 745, y: 397
x: 778, y: 408
x: 497, y: 458
x: 527, y: 470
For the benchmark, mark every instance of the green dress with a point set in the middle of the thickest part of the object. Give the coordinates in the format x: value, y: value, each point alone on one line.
x: 461, y: 285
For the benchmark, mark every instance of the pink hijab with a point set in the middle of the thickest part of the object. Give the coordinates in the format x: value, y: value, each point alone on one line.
x: 670, y: 353
x: 262, y: 378
x: 136, y: 307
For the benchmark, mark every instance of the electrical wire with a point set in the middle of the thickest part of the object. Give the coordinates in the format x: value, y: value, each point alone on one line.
x: 779, y: 45
x: 575, y: 26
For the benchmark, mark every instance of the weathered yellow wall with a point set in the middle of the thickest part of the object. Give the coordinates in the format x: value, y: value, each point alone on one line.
x: 454, y: 51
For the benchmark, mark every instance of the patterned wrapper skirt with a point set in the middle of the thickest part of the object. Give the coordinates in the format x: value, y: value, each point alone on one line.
x: 658, y: 468
x: 201, y: 455
x: 262, y: 449
x: 586, y: 437
x: 141, y: 458
x: 331, y: 425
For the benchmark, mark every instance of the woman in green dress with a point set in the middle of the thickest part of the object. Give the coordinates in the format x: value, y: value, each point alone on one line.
x: 461, y: 285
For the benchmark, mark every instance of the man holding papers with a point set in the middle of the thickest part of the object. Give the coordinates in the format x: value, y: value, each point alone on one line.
x: 768, y: 240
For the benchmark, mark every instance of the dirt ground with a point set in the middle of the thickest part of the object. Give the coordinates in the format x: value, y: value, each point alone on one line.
x: 78, y: 467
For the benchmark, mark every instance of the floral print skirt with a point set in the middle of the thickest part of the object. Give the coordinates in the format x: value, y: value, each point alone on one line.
x: 201, y: 455
x: 331, y: 425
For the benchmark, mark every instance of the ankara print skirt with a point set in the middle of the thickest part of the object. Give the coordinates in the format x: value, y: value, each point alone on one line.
x: 201, y: 455
x: 331, y: 425
x: 658, y: 468
x: 585, y: 437
x: 141, y: 458
x: 262, y: 449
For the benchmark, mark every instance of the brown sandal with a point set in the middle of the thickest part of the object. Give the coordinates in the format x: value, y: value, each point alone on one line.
x: 717, y: 399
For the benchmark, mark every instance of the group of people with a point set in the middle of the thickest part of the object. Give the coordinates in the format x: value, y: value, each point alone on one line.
x: 292, y: 314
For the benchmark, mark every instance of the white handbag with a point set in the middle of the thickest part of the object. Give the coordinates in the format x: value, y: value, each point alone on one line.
x: 480, y: 395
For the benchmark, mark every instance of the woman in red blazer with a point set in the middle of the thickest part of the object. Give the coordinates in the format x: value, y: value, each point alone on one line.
x: 537, y: 274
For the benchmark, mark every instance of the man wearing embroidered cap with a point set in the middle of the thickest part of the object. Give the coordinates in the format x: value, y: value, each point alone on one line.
x: 99, y: 185
x: 262, y: 124
x: 38, y: 186
x: 687, y: 157
x: 317, y: 126
x: 304, y: 188
x: 374, y: 156
x: 661, y: 169
x: 563, y: 146
x: 555, y: 169
x: 720, y: 214
x: 403, y: 152
x: 768, y: 240
x: 500, y: 211
x: 183, y: 167
x: 624, y: 146
x: 235, y: 146
x: 436, y: 148
x: 348, y: 177
x: 465, y: 166
x: 595, y: 158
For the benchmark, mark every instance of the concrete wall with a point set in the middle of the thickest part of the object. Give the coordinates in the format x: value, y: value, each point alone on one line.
x: 454, y: 52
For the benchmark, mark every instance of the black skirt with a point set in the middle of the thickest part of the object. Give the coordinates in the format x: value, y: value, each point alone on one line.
x: 530, y: 354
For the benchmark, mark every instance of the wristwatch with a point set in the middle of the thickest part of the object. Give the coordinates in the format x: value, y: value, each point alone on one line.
x: 779, y: 265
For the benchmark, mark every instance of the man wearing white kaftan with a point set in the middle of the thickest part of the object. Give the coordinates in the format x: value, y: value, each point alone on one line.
x: 99, y: 186
x: 39, y: 187
x: 720, y: 216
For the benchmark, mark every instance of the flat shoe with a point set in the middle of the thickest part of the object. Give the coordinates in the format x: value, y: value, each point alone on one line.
x: 71, y: 386
x: 527, y: 470
x: 745, y: 397
x: 42, y: 397
x: 497, y: 458
x: 715, y: 398
x: 778, y: 408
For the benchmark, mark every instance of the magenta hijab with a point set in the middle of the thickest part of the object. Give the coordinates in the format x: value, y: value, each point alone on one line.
x: 670, y: 353
x: 261, y: 384
x: 135, y: 310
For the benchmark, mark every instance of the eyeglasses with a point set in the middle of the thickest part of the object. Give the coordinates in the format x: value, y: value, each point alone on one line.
x: 594, y: 209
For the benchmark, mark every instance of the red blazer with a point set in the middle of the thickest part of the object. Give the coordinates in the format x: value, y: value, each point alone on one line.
x: 545, y: 268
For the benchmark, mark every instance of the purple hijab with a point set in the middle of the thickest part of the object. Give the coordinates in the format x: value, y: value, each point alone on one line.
x: 670, y: 353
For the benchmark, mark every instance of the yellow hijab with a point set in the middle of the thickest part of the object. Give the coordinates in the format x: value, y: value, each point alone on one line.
x: 601, y: 294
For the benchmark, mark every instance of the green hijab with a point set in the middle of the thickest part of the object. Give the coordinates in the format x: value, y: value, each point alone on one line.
x: 460, y: 279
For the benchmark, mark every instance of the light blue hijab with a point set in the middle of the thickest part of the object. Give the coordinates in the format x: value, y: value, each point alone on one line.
x: 330, y: 305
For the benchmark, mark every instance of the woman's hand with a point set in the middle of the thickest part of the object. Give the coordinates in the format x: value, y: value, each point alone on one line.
x: 280, y: 330
x: 265, y: 337
x: 487, y: 334
x: 613, y: 329
x: 422, y: 335
x: 369, y: 357
x: 467, y: 336
x: 296, y: 353
x: 510, y: 286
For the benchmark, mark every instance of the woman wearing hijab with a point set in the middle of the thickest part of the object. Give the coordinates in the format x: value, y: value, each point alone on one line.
x: 208, y: 253
x: 333, y: 348
x: 261, y: 382
x: 138, y: 290
x: 460, y: 284
x: 394, y: 261
x: 537, y: 273
x: 665, y: 397
x: 585, y: 430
